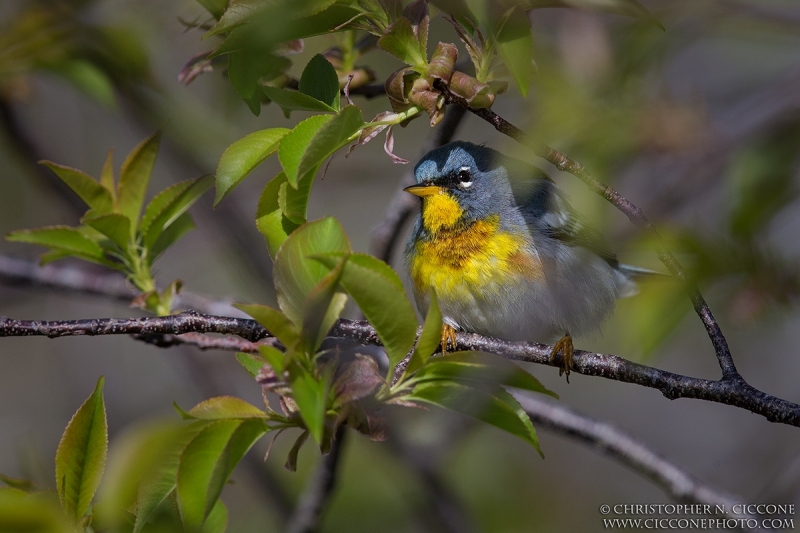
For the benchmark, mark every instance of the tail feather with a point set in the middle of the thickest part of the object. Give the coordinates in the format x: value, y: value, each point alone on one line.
x: 638, y: 272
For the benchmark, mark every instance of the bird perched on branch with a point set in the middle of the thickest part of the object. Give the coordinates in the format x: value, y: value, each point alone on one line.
x: 506, y: 255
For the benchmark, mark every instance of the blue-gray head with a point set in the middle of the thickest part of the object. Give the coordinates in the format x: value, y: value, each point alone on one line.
x: 473, y: 176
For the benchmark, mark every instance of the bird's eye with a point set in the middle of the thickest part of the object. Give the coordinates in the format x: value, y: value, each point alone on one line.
x: 464, y: 177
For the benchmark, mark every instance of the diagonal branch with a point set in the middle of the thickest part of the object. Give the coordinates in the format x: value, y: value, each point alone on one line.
x: 736, y: 392
x: 634, y: 214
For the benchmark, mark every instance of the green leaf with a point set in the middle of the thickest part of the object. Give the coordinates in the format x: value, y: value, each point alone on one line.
x: 276, y: 322
x: 225, y: 407
x: 477, y: 404
x: 87, y: 77
x: 170, y: 235
x: 90, y: 191
x: 135, y: 176
x: 24, y: 485
x: 115, y: 226
x: 310, y: 395
x: 275, y: 358
x: 107, y: 176
x: 270, y: 220
x: 170, y: 204
x: 22, y: 512
x: 158, y: 484
x: 378, y: 291
x: 336, y: 133
x: 240, y: 158
x: 295, y: 100
x: 81, y: 455
x: 137, y: 453
x: 249, y: 65
x: 481, y: 367
x: 294, y: 202
x: 294, y: 144
x: 208, y: 461
x: 400, y: 41
x: 251, y: 362
x: 215, y: 7
x: 322, y: 308
x: 217, y: 520
x: 429, y: 339
x: 63, y: 238
x: 516, y: 47
x: 295, y: 273
x: 320, y: 81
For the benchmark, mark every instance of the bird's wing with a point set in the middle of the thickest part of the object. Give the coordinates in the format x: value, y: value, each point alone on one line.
x: 546, y: 208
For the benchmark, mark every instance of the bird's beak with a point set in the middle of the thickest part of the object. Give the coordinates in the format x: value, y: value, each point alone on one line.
x: 425, y: 190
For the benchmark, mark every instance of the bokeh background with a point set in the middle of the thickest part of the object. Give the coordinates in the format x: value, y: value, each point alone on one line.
x: 698, y: 124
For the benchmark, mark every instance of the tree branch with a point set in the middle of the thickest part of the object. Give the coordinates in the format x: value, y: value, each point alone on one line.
x: 736, y: 392
x: 634, y: 214
x: 619, y: 445
x: 318, y: 490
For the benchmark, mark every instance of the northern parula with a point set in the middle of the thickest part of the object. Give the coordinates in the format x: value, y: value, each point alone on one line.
x: 506, y: 255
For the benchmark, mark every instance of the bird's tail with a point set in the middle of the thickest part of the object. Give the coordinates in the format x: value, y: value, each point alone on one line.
x: 626, y: 279
x: 638, y: 272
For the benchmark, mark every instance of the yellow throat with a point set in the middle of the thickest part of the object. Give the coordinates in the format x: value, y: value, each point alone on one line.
x: 461, y: 259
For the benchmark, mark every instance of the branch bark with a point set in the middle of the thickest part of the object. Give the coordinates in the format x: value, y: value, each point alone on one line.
x: 736, y: 392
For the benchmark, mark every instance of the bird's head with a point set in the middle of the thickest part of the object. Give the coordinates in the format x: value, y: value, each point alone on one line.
x: 460, y: 183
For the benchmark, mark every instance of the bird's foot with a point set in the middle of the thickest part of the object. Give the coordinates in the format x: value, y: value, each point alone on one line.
x: 564, y: 345
x: 448, y: 336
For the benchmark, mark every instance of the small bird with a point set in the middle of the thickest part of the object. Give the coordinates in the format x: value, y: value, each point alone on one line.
x: 506, y: 255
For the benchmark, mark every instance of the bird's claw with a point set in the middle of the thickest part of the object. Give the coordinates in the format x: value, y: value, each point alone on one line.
x: 564, y: 345
x: 448, y: 336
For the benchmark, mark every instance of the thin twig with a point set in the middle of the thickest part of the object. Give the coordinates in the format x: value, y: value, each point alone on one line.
x: 734, y: 392
x: 634, y: 214
x: 318, y: 490
x: 621, y: 446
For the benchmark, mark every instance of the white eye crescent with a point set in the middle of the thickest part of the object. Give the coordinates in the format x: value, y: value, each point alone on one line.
x: 464, y: 177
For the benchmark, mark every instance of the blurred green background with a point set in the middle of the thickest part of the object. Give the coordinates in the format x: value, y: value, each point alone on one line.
x: 699, y: 125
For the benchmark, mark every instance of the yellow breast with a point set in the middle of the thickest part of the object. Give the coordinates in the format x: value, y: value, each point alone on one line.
x: 474, y: 258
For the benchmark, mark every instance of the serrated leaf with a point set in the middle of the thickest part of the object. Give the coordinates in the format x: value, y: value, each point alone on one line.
x: 475, y: 403
x: 182, y: 225
x: 90, y: 191
x: 225, y: 407
x: 276, y: 322
x: 115, y: 226
x: 295, y: 273
x: 207, y: 462
x: 243, y: 156
x: 320, y: 81
x: 135, y: 176
x: 295, y: 100
x: 322, y: 308
x: 379, y: 293
x: 429, y: 339
x: 63, y: 238
x: 171, y: 204
x: 250, y: 362
x: 270, y: 220
x: 294, y: 144
x: 81, y: 455
x: 310, y: 395
x: 481, y: 367
x: 158, y: 484
x: 516, y: 47
x: 107, y: 176
x: 336, y: 133
x: 400, y: 41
